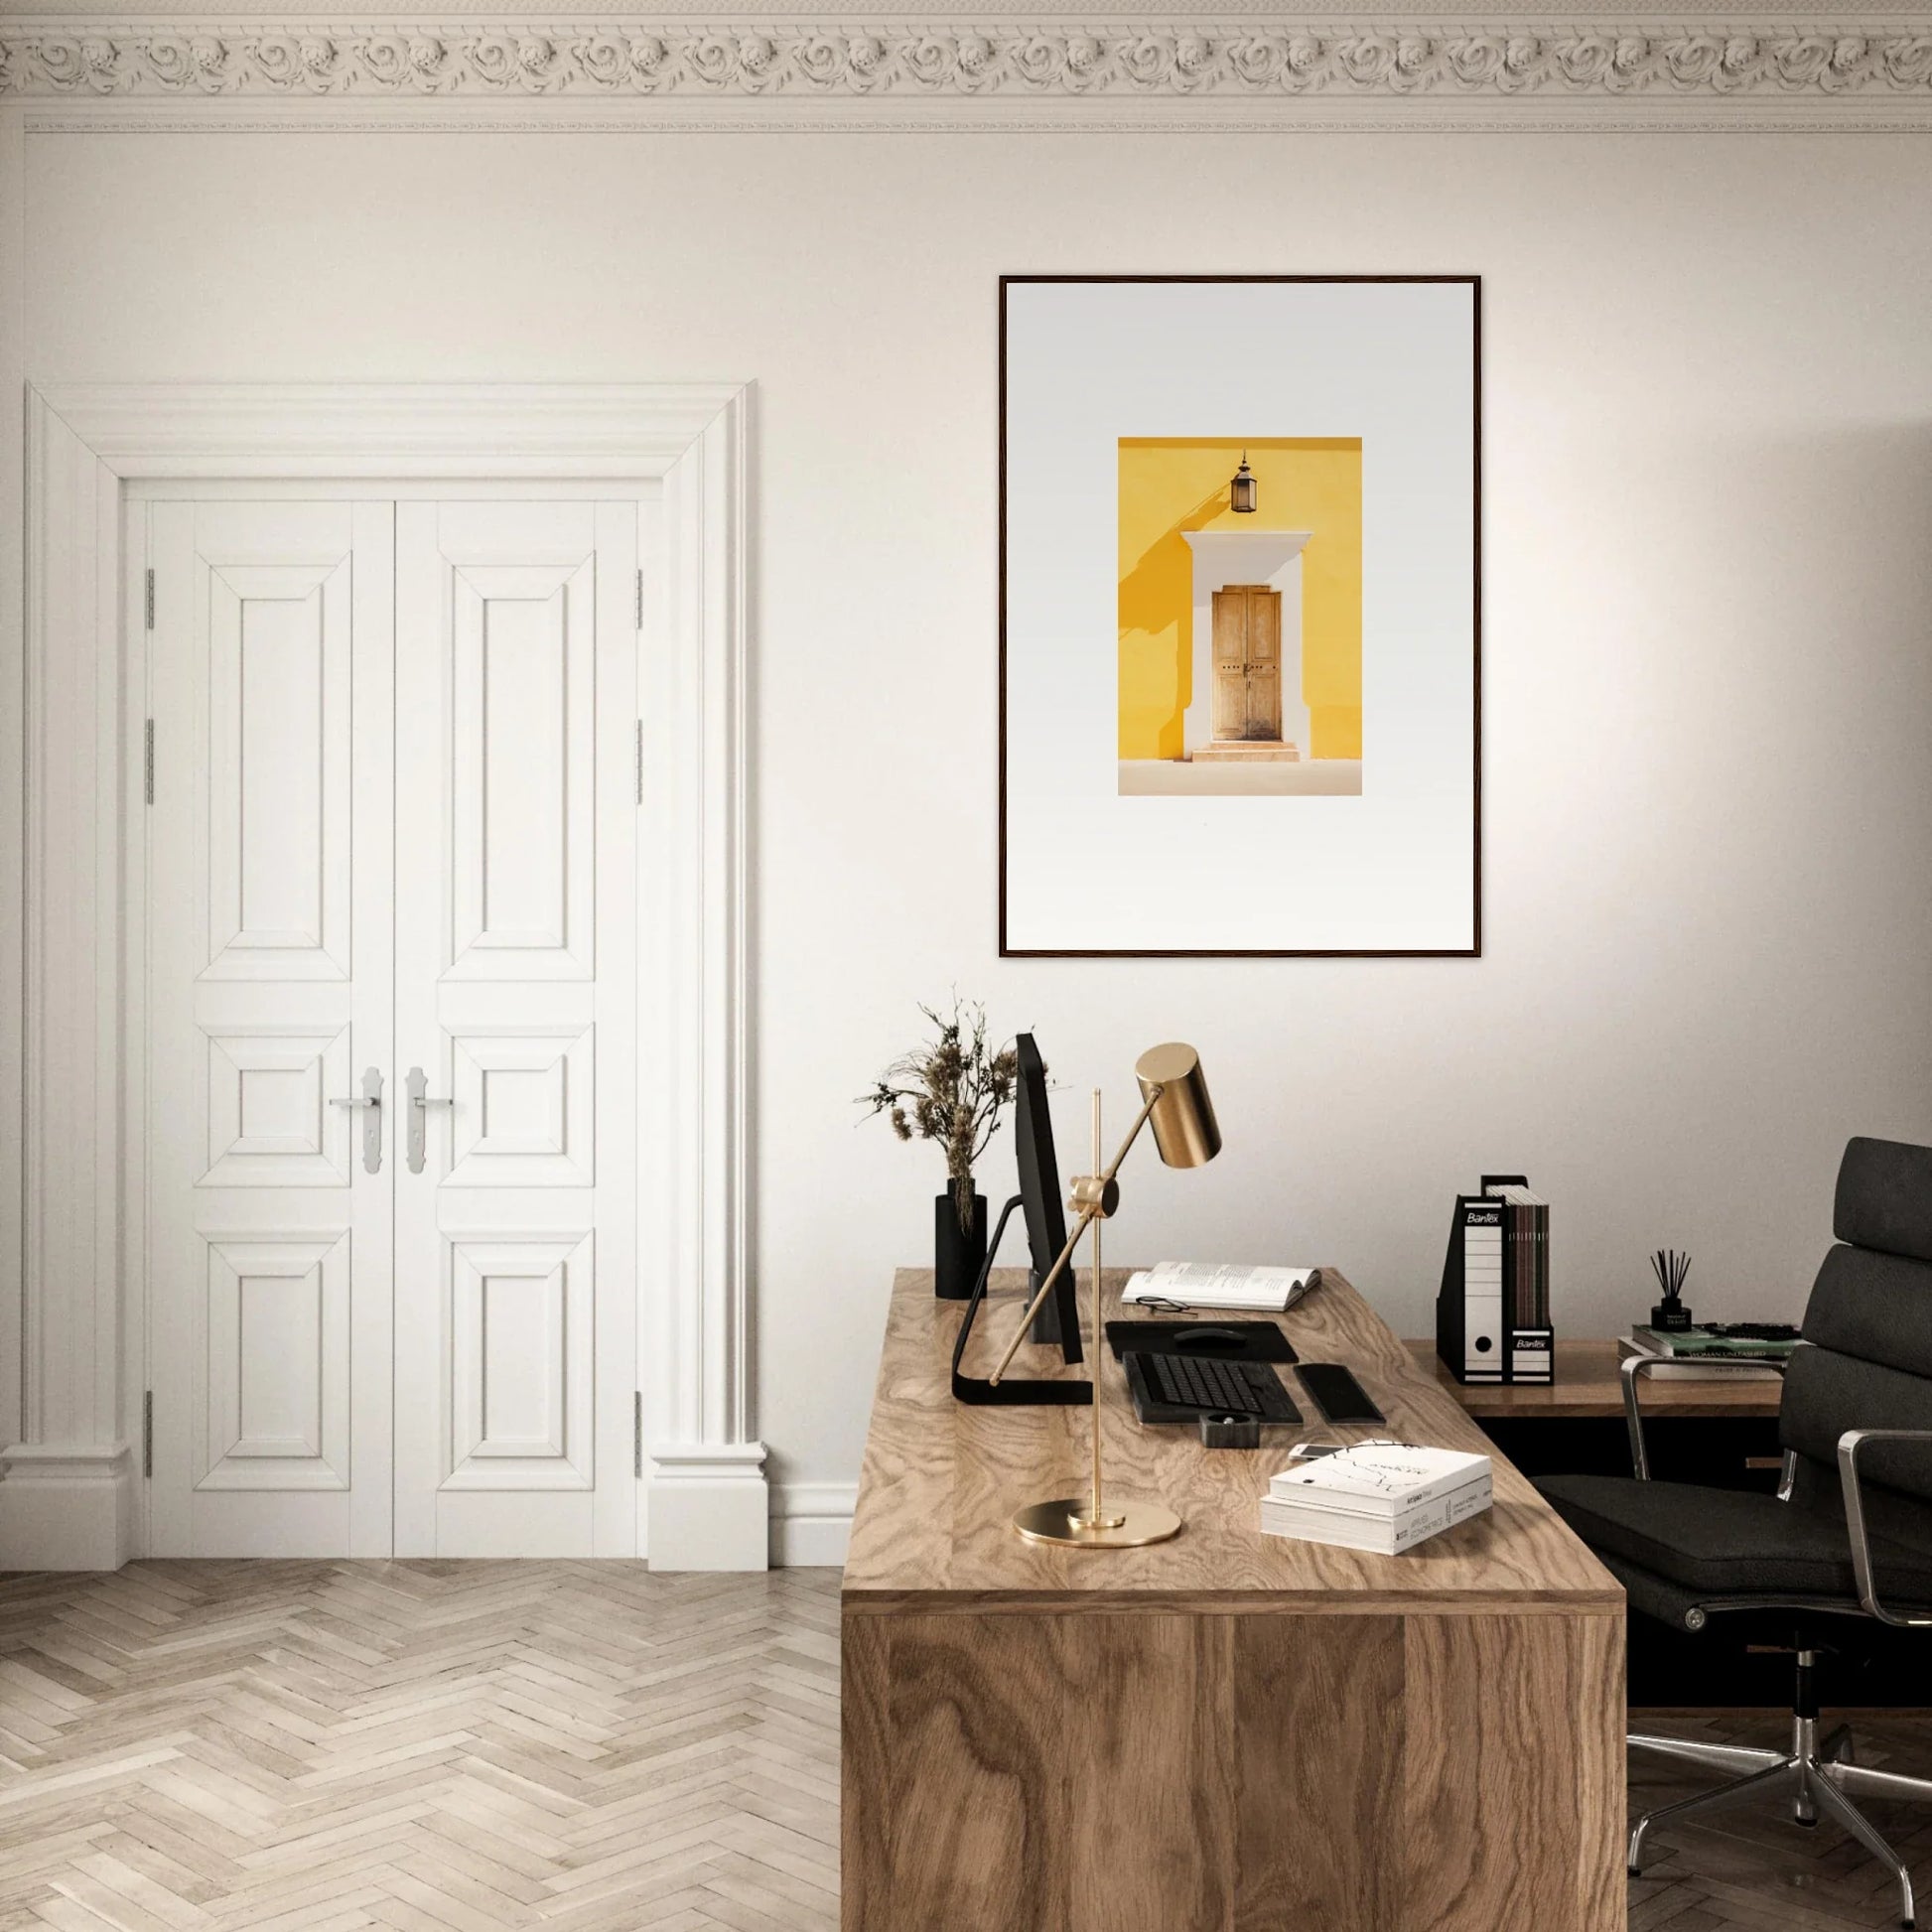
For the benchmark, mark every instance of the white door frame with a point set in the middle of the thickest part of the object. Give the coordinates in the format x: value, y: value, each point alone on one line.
x: 69, y: 1498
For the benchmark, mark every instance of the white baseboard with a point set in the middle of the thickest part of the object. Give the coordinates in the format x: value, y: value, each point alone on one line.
x: 67, y: 1507
x: 709, y: 1509
x: 709, y: 1506
x: 811, y: 1523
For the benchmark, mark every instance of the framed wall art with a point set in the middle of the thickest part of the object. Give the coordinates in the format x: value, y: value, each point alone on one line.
x: 1240, y: 600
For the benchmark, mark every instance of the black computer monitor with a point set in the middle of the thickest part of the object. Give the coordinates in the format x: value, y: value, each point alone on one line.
x: 1040, y: 1197
x: 1039, y: 1200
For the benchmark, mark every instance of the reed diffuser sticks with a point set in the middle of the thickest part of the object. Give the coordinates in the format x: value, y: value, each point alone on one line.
x: 1670, y: 1266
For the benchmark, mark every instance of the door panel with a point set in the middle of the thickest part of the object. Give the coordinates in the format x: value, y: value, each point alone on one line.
x: 1230, y: 664
x: 1247, y: 662
x: 516, y: 1242
x: 1264, y: 664
x: 269, y: 993
x: 521, y: 842
x: 394, y: 829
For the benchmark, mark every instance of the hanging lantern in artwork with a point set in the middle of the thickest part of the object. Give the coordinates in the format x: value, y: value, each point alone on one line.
x: 1244, y: 494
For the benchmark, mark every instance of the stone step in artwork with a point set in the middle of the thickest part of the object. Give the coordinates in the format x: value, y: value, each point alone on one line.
x: 1246, y: 750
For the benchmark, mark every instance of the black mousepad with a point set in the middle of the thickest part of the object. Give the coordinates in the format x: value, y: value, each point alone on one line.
x: 1221, y: 1341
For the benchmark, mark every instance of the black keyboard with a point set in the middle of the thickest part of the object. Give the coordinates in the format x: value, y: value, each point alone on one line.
x: 1197, y: 1386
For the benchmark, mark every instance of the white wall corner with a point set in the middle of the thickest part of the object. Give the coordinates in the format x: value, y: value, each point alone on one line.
x: 709, y: 1506
x: 706, y: 1505
x: 811, y: 1524
x: 67, y: 1507
x: 67, y: 1497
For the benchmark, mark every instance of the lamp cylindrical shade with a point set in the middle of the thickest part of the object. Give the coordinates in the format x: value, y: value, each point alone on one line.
x: 1185, y: 1128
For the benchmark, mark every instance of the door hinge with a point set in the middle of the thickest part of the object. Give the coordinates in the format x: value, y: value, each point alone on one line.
x: 641, y: 598
x: 641, y: 761
x: 150, y: 599
x: 147, y: 761
x: 637, y: 1433
x: 147, y: 1434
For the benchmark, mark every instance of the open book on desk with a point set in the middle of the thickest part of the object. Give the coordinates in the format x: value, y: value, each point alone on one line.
x: 1218, y: 1284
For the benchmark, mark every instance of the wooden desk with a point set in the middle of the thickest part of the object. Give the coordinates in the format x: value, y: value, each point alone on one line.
x: 1720, y: 1434
x: 1587, y: 1387
x: 1227, y: 1733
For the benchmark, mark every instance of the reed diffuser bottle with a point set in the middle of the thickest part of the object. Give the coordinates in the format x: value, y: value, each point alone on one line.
x: 1670, y: 1315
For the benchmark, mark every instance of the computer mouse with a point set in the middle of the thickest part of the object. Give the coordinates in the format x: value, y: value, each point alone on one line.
x: 1206, y: 1339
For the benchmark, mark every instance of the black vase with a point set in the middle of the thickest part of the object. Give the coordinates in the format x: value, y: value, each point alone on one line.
x: 958, y: 1254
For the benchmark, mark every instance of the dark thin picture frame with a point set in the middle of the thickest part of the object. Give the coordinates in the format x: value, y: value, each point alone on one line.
x: 1471, y: 951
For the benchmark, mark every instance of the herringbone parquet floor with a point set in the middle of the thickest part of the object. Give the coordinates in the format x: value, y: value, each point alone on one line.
x: 1754, y: 1867
x: 463, y: 1748
x: 433, y: 1746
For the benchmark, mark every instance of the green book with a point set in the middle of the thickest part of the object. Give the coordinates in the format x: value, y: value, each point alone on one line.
x: 1701, y: 1342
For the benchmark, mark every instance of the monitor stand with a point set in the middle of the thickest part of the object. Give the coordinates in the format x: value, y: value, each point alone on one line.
x: 1046, y: 1328
x: 1012, y: 1391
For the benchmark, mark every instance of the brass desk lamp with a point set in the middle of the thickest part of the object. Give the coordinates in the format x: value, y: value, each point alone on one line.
x: 1175, y: 1101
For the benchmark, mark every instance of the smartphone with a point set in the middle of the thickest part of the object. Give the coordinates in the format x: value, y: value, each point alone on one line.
x: 1336, y: 1393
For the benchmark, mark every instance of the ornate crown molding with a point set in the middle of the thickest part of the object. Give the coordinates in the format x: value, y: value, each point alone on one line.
x: 1317, y: 62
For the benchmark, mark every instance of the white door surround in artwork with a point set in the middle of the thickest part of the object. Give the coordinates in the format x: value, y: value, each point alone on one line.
x: 72, y: 1494
x: 1223, y: 557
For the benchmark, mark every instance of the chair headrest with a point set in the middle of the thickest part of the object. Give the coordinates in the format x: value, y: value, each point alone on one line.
x: 1884, y: 1197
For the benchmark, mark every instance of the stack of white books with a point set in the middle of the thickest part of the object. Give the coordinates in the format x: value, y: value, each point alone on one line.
x: 1219, y: 1284
x: 1381, y: 1496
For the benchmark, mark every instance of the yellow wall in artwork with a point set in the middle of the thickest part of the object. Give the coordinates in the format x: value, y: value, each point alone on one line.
x: 1169, y: 484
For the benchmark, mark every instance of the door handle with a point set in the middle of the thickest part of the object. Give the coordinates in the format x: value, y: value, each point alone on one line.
x: 370, y: 1099
x: 420, y: 1102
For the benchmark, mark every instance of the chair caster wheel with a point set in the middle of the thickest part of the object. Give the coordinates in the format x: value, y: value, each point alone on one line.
x: 1633, y: 1871
x: 1810, y: 1823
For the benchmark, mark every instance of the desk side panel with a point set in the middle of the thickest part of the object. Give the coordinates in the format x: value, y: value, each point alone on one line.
x: 864, y: 1774
x: 1140, y: 1772
x: 1318, y: 1735
x: 1513, y: 1776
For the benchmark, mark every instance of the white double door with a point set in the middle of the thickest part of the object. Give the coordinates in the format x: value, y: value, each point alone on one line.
x: 390, y: 861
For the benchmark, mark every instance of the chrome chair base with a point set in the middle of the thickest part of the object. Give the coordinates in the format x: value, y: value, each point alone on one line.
x: 1817, y: 1775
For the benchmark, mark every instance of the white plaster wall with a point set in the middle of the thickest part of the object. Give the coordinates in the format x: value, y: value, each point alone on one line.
x: 1707, y: 650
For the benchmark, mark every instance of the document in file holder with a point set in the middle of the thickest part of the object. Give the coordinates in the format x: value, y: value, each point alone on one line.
x: 1493, y: 1315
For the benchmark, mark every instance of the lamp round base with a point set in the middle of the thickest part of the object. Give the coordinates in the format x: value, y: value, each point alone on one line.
x: 1063, y: 1521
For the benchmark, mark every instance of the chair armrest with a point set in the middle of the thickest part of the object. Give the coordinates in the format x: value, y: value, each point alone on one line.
x: 1848, y: 1446
x: 1635, y: 1367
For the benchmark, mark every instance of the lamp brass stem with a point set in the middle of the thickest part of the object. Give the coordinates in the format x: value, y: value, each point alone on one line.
x: 1095, y: 1516
x: 1088, y: 1214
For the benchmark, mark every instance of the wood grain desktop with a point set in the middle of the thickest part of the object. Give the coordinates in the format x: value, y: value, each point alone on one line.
x: 1227, y: 1730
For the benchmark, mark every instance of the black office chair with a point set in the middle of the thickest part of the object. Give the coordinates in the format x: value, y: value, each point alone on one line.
x: 1849, y: 1536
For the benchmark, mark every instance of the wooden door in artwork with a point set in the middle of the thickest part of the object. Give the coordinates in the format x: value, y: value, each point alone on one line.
x: 1248, y: 663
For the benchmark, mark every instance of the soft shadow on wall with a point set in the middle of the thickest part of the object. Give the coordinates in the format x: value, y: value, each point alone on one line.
x: 1170, y: 486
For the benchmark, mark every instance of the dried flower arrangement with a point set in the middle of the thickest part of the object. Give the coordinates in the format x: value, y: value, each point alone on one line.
x: 953, y: 1091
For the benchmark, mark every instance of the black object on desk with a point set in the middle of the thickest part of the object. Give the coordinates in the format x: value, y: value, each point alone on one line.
x: 1179, y: 1388
x: 1230, y: 1431
x: 1227, y: 1341
x: 1336, y: 1393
